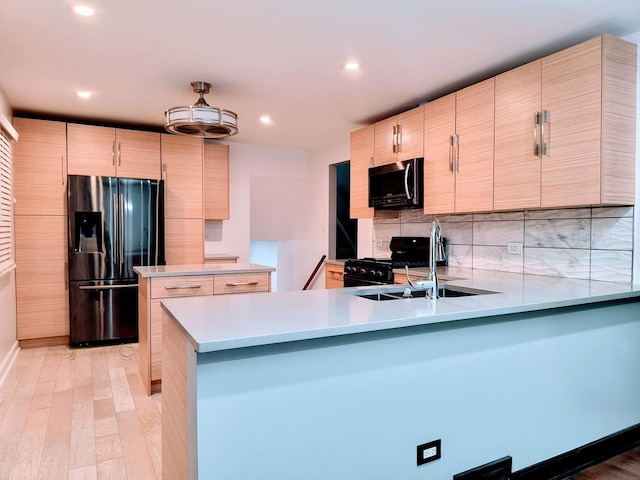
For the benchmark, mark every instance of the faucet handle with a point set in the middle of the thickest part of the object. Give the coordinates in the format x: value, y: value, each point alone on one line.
x: 420, y: 284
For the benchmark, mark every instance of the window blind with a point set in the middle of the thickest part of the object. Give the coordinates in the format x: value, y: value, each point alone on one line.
x: 7, y: 261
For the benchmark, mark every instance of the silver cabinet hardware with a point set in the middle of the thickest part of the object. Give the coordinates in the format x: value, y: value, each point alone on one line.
x: 181, y: 287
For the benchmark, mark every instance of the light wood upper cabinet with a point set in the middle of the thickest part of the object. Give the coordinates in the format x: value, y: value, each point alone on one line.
x: 362, y: 151
x: 182, y: 166
x: 458, y: 168
x: 216, y: 181
x: 439, y: 171
x: 589, y: 92
x: 584, y: 98
x: 40, y: 167
x: 474, y: 162
x: 517, y: 170
x: 106, y: 151
x: 400, y: 137
x: 42, y: 296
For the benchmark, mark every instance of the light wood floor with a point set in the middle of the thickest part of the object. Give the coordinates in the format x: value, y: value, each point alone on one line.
x: 623, y: 467
x: 78, y: 414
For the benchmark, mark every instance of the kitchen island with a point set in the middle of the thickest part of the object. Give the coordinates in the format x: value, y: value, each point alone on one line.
x: 166, y: 281
x: 329, y: 384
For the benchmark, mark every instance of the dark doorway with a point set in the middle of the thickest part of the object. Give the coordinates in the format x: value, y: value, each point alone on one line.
x: 346, y: 228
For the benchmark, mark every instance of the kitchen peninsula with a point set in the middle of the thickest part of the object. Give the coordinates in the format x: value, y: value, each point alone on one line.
x: 159, y: 282
x: 328, y: 384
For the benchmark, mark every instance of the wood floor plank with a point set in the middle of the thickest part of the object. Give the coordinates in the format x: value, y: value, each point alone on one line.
x: 55, y: 456
x: 27, y: 459
x: 113, y: 469
x: 82, y: 450
x: 108, y: 447
x: 8, y: 448
x: 134, y: 446
x: 84, y: 473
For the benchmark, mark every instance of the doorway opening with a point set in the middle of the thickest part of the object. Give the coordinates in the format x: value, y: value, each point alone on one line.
x: 344, y: 230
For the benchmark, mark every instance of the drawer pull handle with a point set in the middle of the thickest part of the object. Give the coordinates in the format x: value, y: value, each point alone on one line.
x: 181, y: 287
x: 241, y: 284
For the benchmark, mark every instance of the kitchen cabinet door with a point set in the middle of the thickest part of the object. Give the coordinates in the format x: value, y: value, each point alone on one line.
x: 40, y: 167
x: 517, y: 173
x: 138, y: 154
x: 107, y: 151
x: 42, y: 297
x: 361, y: 159
x: 400, y: 137
x: 334, y: 276
x: 589, y: 93
x: 474, y: 155
x: 182, y: 167
x: 91, y: 150
x: 216, y: 181
x: 458, y: 166
x: 439, y: 173
x: 184, y: 241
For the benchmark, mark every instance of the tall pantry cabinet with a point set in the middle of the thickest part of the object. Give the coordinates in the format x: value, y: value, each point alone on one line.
x: 40, y: 160
x: 182, y: 171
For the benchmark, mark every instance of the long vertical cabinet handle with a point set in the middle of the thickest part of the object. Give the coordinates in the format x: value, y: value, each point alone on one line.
x: 451, y: 153
x: 399, y: 139
x: 164, y: 171
x: 113, y: 153
x: 119, y: 154
x: 64, y: 176
x: 544, y: 146
x: 457, y: 150
x: 394, y: 139
x: 536, y: 122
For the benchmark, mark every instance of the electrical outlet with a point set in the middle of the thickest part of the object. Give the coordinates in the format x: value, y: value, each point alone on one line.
x: 514, y: 248
x: 428, y: 452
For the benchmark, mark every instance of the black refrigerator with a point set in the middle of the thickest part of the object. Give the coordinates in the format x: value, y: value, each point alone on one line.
x: 115, y: 224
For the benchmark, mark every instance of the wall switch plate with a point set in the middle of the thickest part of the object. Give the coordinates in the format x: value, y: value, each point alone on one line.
x: 428, y: 452
x: 514, y: 248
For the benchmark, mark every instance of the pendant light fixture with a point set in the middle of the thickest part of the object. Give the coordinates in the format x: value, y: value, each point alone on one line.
x: 200, y: 119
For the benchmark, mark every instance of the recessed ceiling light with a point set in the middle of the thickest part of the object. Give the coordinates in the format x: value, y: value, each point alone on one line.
x: 84, y: 10
x: 84, y: 94
x: 351, y: 66
x: 266, y: 119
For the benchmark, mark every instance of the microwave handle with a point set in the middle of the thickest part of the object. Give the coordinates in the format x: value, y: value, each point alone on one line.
x: 406, y: 180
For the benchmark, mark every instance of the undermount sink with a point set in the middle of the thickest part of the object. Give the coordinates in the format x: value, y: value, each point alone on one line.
x: 445, y: 291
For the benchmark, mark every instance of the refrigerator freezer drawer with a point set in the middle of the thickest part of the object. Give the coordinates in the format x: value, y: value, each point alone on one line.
x: 103, y: 313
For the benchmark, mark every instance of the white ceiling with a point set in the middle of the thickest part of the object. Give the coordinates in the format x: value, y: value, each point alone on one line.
x: 278, y: 57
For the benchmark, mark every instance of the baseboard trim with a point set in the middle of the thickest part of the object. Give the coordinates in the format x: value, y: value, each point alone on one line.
x: 7, y: 363
x: 583, y: 457
x: 44, y: 342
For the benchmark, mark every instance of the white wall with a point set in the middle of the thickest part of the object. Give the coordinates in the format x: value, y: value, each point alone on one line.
x: 7, y: 293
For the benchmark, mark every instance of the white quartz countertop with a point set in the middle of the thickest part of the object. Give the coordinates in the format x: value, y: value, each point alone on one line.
x: 243, y: 320
x: 201, y: 269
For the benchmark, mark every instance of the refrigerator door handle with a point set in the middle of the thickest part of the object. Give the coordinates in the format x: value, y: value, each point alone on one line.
x: 116, y: 236
x: 121, y: 230
x: 107, y: 287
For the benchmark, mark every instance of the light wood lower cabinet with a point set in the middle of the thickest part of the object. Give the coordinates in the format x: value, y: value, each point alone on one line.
x: 334, y: 275
x: 42, y: 297
x: 153, y: 290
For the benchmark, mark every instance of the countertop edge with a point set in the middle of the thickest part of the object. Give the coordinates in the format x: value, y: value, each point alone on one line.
x: 343, y: 330
x: 202, y: 269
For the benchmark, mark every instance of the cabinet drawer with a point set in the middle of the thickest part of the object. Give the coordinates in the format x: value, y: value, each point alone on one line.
x: 242, y: 283
x: 185, y: 286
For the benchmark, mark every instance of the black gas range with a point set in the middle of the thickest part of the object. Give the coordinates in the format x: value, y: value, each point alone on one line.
x: 410, y: 251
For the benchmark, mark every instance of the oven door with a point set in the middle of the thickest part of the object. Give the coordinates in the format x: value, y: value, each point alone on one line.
x: 356, y: 281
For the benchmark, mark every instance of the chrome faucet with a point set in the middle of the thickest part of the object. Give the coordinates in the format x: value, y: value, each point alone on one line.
x: 436, y: 254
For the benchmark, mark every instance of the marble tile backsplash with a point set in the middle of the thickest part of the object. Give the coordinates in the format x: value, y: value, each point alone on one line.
x: 591, y: 243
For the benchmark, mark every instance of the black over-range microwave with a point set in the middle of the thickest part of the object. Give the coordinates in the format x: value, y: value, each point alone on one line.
x: 397, y: 185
